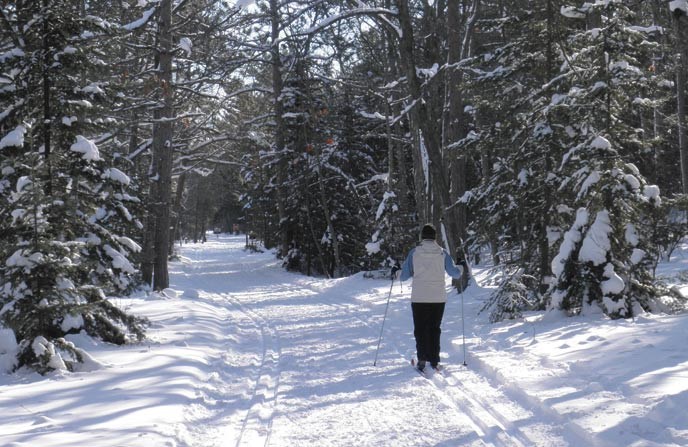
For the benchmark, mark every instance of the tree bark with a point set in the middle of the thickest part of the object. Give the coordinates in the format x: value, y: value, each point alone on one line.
x: 278, y: 110
x: 148, y: 249
x: 545, y: 261
x: 328, y: 219
x: 455, y: 121
x: 321, y: 256
x: 181, y: 185
x: 47, y: 119
x: 422, y: 114
x: 681, y: 27
x: 163, y: 148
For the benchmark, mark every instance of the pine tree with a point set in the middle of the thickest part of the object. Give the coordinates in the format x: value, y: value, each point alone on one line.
x: 517, y: 143
x: 605, y: 257
x: 61, y: 253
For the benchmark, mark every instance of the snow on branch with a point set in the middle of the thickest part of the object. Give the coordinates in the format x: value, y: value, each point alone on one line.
x: 14, y: 138
x: 654, y: 29
x: 383, y: 204
x: 404, y: 112
x: 679, y: 5
x: 467, y: 140
x: 372, y: 116
x: 140, y: 22
x: 382, y: 17
x: 427, y: 72
x: 327, y: 21
x: 7, y: 112
x: 361, y: 10
x: 86, y: 147
x: 373, y: 179
x: 12, y: 53
x: 144, y: 146
x: 572, y: 12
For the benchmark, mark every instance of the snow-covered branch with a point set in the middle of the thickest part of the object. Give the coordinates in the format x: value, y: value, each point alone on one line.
x: 365, y: 11
x: 679, y: 5
x: 136, y: 24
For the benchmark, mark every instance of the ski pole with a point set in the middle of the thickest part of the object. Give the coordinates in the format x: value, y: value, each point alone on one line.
x: 468, y: 273
x: 383, y: 322
x: 463, y: 330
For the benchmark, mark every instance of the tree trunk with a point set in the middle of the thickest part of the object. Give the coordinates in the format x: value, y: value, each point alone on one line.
x: 47, y: 119
x: 545, y: 266
x: 278, y: 110
x: 181, y: 184
x: 681, y: 27
x: 163, y: 148
x: 422, y: 114
x: 455, y: 121
x: 321, y: 256
x: 421, y: 181
x: 328, y: 219
x: 148, y: 248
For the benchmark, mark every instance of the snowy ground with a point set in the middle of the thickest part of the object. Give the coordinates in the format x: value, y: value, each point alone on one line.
x: 242, y: 353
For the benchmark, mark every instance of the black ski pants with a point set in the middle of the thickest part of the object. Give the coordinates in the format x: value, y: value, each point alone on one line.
x: 427, y: 318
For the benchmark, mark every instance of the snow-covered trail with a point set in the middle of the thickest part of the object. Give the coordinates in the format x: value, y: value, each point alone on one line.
x: 241, y: 353
x: 312, y: 379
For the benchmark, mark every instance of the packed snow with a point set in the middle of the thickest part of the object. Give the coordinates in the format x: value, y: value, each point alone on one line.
x: 243, y: 353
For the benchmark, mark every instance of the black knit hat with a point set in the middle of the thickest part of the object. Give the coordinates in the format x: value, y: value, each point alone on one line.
x: 428, y: 232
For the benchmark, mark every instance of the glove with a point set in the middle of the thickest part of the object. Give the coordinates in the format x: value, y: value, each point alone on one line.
x: 395, y: 268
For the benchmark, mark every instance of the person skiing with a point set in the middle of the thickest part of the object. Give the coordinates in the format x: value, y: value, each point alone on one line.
x: 427, y: 264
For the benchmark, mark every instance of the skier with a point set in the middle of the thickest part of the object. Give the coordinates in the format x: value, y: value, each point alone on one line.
x: 427, y: 263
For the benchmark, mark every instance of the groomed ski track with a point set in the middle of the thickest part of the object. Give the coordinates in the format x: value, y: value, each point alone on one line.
x: 298, y: 365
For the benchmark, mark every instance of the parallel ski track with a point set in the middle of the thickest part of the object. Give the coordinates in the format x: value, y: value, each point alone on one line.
x: 257, y: 425
x: 475, y: 422
x: 494, y: 428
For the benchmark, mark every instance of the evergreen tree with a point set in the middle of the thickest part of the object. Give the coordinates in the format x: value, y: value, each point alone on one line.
x: 517, y: 143
x: 605, y: 257
x: 61, y: 254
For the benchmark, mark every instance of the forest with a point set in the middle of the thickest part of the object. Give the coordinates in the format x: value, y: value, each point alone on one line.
x: 545, y: 138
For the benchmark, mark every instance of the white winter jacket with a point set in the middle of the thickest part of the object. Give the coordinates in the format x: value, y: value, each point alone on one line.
x: 427, y: 264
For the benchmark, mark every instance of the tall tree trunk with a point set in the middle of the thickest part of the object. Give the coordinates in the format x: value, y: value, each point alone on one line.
x: 181, y: 184
x: 428, y: 127
x: 163, y: 148
x: 543, y: 239
x: 47, y: 119
x: 314, y: 236
x: 455, y: 121
x: 681, y: 27
x: 328, y: 219
x: 278, y: 110
x: 148, y: 248
x: 396, y: 151
x: 197, y: 220
x: 421, y: 181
